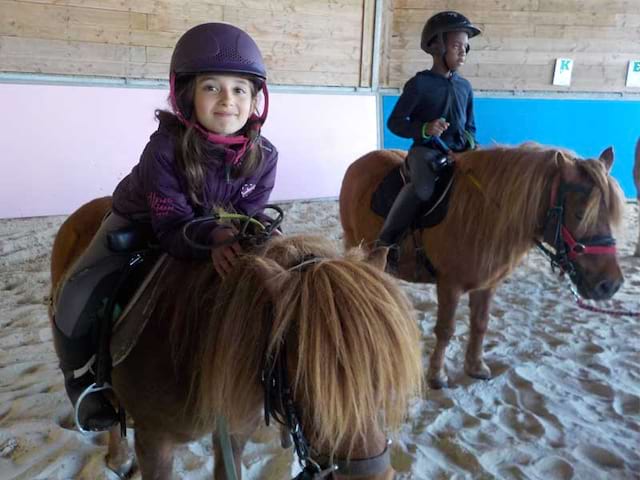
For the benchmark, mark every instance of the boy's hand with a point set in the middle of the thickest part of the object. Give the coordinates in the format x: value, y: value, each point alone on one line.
x: 224, y: 256
x: 436, y: 127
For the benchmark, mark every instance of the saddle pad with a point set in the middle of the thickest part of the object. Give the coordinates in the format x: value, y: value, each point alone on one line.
x: 137, y: 312
x: 430, y: 213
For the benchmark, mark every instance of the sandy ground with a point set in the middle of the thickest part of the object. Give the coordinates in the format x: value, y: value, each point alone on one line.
x: 564, y: 402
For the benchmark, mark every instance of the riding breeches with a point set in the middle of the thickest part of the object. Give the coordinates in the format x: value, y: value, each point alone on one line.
x: 420, y: 161
x: 90, y: 282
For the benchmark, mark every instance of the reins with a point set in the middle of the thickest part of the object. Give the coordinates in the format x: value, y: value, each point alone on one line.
x: 262, y: 232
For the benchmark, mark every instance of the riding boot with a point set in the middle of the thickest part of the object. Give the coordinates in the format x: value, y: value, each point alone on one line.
x: 403, y: 211
x: 76, y: 358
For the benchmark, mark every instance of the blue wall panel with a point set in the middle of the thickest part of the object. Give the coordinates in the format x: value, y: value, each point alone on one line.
x: 584, y: 126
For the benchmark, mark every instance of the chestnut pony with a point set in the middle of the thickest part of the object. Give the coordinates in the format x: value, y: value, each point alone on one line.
x: 344, y: 331
x: 503, y: 201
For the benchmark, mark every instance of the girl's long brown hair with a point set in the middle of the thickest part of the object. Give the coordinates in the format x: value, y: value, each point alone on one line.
x: 193, y: 151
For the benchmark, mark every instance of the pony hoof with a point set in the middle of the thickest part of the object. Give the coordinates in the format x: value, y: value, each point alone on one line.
x: 480, y: 371
x: 437, y: 384
x: 121, y: 469
x: 438, y: 381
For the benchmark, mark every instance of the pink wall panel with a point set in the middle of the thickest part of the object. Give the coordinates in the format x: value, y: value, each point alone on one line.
x: 60, y: 146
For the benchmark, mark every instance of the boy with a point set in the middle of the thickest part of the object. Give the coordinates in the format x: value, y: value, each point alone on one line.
x: 435, y: 105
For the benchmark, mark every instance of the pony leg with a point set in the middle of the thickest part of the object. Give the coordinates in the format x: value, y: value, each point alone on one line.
x: 479, y: 302
x: 237, y: 446
x: 448, y: 297
x: 154, y: 451
x: 119, y: 457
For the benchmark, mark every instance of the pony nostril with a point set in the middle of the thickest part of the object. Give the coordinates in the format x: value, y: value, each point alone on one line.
x: 607, y: 288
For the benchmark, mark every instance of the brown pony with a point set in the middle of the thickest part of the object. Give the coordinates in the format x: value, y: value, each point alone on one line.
x: 345, y: 329
x: 636, y: 181
x: 498, y: 208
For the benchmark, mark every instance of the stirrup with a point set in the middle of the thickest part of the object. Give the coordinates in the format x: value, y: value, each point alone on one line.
x: 93, y: 388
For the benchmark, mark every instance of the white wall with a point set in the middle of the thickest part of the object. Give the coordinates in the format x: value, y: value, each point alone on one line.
x: 61, y: 146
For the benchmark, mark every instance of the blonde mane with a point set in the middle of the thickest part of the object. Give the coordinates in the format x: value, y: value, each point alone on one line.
x: 350, y: 335
x: 506, y: 208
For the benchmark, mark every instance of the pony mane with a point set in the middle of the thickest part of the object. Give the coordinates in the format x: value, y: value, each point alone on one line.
x: 505, y: 210
x: 351, y: 339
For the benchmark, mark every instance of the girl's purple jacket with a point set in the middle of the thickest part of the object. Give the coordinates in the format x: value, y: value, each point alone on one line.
x: 155, y: 189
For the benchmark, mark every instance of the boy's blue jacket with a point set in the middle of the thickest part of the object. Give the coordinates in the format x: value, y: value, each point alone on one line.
x: 424, y: 99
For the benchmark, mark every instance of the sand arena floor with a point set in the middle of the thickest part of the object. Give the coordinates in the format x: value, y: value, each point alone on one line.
x: 564, y: 402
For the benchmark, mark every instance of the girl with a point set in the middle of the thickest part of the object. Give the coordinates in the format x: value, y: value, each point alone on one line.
x: 207, y: 152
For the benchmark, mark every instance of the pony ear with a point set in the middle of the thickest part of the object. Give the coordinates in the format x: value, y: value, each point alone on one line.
x: 378, y: 257
x: 606, y: 157
x: 567, y: 167
x: 561, y: 158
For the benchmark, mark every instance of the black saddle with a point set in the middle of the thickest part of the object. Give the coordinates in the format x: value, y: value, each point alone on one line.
x: 139, y: 242
x: 430, y: 213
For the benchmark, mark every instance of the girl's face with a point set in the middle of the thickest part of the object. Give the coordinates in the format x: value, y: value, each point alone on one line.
x: 456, y: 49
x: 223, y: 103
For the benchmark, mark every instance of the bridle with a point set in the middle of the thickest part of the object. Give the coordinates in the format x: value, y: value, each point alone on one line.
x: 557, y: 235
x: 568, y: 249
x: 279, y: 405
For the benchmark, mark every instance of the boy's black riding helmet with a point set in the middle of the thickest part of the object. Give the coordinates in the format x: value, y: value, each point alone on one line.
x: 432, y: 40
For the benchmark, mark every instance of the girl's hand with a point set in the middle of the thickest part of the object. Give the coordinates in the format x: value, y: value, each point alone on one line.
x: 224, y: 256
x: 436, y: 128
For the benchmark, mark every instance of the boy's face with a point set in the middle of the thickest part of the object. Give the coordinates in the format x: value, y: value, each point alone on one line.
x: 457, y: 43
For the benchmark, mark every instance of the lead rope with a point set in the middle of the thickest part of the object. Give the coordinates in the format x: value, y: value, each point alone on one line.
x: 579, y: 301
x: 592, y: 308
